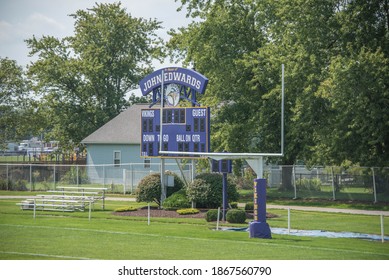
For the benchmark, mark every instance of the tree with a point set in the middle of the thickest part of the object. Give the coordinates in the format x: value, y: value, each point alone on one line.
x: 309, y: 38
x: 216, y: 45
x: 83, y: 79
x: 357, y: 101
x: 16, y: 112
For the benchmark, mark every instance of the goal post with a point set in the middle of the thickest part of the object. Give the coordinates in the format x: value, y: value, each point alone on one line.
x: 255, y: 160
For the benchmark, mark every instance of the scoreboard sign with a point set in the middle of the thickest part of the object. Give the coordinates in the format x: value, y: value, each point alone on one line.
x: 183, y: 129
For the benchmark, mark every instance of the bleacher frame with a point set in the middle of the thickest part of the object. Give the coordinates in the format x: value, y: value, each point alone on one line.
x: 65, y: 199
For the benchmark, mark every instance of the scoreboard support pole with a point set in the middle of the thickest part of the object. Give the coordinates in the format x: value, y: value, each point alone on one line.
x: 259, y: 228
x: 162, y: 99
x: 163, y: 186
x: 225, y: 196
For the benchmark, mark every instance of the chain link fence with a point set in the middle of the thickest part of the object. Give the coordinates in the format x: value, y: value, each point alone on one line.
x: 122, y: 178
x: 336, y: 183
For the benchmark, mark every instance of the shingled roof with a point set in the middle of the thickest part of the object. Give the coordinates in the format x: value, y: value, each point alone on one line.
x: 123, y: 129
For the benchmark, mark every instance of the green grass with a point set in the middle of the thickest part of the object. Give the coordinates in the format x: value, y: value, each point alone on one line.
x: 57, y: 235
x: 349, y: 200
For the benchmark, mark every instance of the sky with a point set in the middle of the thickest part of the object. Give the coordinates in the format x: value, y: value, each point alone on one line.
x: 21, y: 19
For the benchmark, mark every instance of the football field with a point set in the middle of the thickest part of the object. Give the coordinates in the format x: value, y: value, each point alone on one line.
x: 72, y: 236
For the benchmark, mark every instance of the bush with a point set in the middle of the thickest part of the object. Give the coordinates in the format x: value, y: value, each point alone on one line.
x: 149, y: 188
x: 234, y: 205
x: 211, y: 215
x: 188, y: 211
x: 198, y: 191
x: 236, y: 216
x: 9, y: 185
x: 176, y: 201
x: 71, y: 177
x: 125, y: 209
x: 20, y: 185
x: 210, y: 187
x: 249, y: 206
x: 5, y: 185
x: 308, y: 184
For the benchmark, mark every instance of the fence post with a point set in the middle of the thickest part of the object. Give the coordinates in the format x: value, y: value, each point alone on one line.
x: 132, y: 178
x: 124, y: 181
x: 103, y: 176
x: 7, y: 177
x: 288, y: 220
x: 30, y: 177
x: 90, y: 209
x: 294, y: 182
x: 54, y: 176
x: 374, y: 186
x: 382, y: 229
x: 333, y: 183
x: 193, y: 170
x: 77, y: 174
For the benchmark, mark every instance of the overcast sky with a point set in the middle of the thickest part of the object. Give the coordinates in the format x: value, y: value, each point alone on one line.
x: 21, y: 19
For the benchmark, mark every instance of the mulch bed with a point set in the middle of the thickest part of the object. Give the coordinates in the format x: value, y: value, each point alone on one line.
x: 160, y: 213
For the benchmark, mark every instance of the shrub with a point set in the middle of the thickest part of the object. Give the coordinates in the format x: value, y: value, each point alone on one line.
x: 20, y: 185
x: 6, y: 185
x: 149, y: 188
x: 249, y: 206
x: 211, y: 215
x: 125, y: 209
x: 308, y: 184
x: 234, y: 205
x: 198, y: 191
x: 71, y: 177
x: 9, y: 185
x: 176, y: 201
x: 212, y: 187
x: 236, y: 216
x: 188, y: 211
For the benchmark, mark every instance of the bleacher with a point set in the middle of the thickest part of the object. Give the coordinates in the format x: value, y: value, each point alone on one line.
x: 67, y: 199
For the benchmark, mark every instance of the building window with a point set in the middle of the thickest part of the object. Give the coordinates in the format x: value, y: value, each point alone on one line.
x: 116, y: 158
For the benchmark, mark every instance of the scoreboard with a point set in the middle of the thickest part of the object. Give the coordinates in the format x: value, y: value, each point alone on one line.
x: 183, y: 129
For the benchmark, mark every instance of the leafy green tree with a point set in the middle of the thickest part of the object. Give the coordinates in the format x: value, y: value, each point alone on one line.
x: 17, y: 115
x: 215, y: 45
x: 356, y: 95
x: 83, y: 79
x: 310, y: 38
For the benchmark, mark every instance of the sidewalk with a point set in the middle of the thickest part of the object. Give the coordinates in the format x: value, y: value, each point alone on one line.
x: 268, y: 206
x: 330, y: 210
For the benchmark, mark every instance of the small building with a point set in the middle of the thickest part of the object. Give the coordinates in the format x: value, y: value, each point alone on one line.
x: 118, y: 141
x: 114, y: 151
